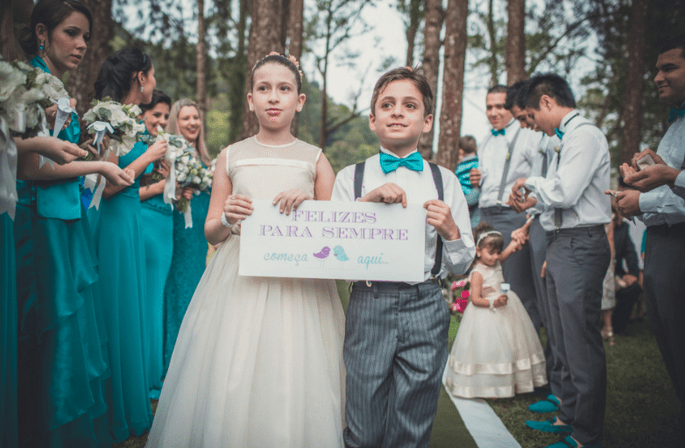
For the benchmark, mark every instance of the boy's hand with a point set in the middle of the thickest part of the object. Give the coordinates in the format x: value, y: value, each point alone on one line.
x: 500, y: 301
x: 475, y: 176
x: 388, y: 194
x: 440, y: 216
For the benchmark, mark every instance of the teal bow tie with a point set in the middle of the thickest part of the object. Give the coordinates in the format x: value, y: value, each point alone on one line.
x: 559, y: 133
x: 495, y: 132
x: 676, y: 113
x: 390, y: 163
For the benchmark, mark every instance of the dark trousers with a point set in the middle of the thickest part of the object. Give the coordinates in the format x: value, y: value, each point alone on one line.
x: 577, y: 261
x: 664, y: 282
x: 626, y: 298
x: 517, y: 269
x: 395, y: 352
x: 538, y: 253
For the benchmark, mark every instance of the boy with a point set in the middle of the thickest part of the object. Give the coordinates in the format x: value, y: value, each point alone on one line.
x: 395, y: 346
x: 468, y: 159
x: 577, y: 256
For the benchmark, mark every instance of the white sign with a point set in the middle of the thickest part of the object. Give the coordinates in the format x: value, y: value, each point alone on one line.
x: 343, y: 240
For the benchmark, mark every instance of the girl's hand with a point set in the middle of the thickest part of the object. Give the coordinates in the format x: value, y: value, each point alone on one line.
x: 290, y: 200
x: 500, y: 301
x: 543, y: 273
x: 164, y: 168
x: 187, y: 193
x: 157, y: 150
x: 237, y: 207
x: 116, y: 176
x: 60, y: 151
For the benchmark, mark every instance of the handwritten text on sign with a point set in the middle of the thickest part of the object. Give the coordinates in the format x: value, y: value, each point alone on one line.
x: 345, y: 240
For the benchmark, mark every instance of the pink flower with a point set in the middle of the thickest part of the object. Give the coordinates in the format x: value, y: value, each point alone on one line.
x: 461, y: 305
x: 464, y: 294
x: 454, y: 286
x: 455, y: 307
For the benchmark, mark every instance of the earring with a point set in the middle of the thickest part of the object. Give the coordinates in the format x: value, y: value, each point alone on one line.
x: 42, y: 45
x: 142, y: 87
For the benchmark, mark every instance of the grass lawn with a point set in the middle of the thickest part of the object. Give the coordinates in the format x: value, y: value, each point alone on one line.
x: 641, y: 410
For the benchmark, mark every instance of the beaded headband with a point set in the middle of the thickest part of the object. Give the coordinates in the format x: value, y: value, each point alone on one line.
x: 290, y: 58
x: 484, y: 235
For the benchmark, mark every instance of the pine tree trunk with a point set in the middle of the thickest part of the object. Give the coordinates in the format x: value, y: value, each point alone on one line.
x: 236, y: 90
x: 431, y: 62
x: 80, y: 83
x: 323, y: 134
x: 201, y: 63
x: 265, y: 37
x: 412, y: 29
x: 632, y: 99
x: 295, y: 22
x: 494, y: 79
x: 453, y: 84
x: 516, y: 41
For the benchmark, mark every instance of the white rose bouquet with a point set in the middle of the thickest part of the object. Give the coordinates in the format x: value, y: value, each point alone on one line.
x: 22, y: 102
x: 120, y: 120
x: 190, y: 173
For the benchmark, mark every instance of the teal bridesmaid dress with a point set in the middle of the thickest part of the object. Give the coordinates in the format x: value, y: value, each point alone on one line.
x: 8, y: 335
x: 157, y: 224
x: 187, y: 266
x: 61, y: 357
x: 121, y: 251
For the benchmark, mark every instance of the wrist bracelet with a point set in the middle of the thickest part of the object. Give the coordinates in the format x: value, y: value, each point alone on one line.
x: 224, y: 221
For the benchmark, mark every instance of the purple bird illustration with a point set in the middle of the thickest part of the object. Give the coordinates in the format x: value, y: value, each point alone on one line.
x: 323, y: 254
x: 340, y: 254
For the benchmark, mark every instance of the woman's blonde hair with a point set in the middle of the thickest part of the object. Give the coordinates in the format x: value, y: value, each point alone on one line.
x: 172, y: 128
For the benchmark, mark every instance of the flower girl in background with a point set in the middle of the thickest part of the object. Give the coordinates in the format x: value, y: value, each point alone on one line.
x: 157, y: 226
x: 127, y: 77
x: 497, y: 352
x: 189, y: 244
x: 62, y: 362
x: 258, y: 360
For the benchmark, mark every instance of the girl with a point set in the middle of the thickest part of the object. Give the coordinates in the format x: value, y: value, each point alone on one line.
x: 497, y: 352
x: 157, y: 226
x: 190, y: 245
x: 62, y: 363
x: 258, y: 361
x: 127, y: 76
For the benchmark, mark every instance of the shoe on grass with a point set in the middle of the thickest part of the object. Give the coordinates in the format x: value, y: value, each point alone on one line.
x: 549, y: 404
x: 568, y: 442
x: 550, y: 427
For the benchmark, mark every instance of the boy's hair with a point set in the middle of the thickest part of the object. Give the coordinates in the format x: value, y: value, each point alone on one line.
x: 416, y: 76
x: 673, y: 43
x: 551, y: 85
x: 499, y: 88
x: 278, y: 59
x: 516, y: 95
x: 492, y: 239
x: 468, y: 144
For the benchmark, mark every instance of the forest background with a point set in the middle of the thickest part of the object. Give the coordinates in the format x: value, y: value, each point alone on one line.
x: 203, y: 50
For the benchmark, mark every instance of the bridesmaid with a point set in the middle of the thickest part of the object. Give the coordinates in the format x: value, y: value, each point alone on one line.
x: 61, y: 360
x: 128, y: 77
x: 157, y: 224
x: 190, y: 245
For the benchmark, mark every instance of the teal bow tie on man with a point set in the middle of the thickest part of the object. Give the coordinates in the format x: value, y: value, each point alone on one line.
x: 496, y: 132
x: 390, y: 163
x: 676, y: 113
x: 559, y: 133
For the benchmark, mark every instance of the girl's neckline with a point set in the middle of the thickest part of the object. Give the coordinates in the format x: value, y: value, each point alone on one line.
x: 274, y: 146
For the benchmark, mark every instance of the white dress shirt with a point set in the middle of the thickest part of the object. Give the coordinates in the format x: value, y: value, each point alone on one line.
x: 578, y: 184
x: 662, y: 205
x: 546, y: 147
x: 492, y: 155
x: 457, y: 255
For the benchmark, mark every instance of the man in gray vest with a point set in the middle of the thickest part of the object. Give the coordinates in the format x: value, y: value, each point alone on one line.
x: 506, y: 154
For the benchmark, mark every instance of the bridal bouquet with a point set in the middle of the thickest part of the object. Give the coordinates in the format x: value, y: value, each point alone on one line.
x: 120, y: 120
x: 22, y: 102
x: 190, y: 172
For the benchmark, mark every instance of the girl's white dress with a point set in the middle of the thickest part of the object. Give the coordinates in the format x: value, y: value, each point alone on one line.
x: 497, y: 352
x: 258, y: 360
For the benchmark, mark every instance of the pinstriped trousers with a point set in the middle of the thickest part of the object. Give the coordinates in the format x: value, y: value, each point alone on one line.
x: 395, y: 352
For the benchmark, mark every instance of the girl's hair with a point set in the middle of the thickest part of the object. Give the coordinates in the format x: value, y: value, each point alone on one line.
x: 278, y: 59
x: 157, y: 97
x: 50, y: 13
x: 172, y: 127
x: 117, y: 72
x: 487, y: 237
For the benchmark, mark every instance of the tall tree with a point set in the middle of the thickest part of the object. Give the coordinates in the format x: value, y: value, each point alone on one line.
x: 632, y: 98
x: 80, y: 84
x: 412, y: 13
x: 265, y: 37
x: 431, y: 61
x: 336, y: 23
x: 515, y: 61
x: 494, y: 76
x: 453, y: 84
x: 201, y: 63
x: 295, y: 41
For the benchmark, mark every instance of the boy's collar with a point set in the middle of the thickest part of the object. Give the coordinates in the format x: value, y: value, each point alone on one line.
x: 387, y: 151
x: 469, y: 157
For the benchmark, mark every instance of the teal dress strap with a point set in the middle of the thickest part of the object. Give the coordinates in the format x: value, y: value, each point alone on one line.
x: 59, y: 199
